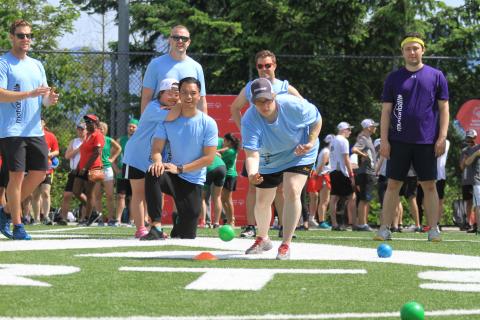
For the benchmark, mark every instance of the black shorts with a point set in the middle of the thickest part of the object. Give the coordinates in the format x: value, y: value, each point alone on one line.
x: 3, y: 175
x: 216, y: 176
x: 244, y: 170
x: 22, y: 154
x: 129, y: 172
x: 409, y: 187
x: 48, y: 179
x: 341, y: 184
x: 467, y: 192
x: 124, y: 187
x: 230, y: 184
x: 420, y: 156
x: 365, y: 183
x: 70, y: 179
x: 381, y: 188
x: 273, y: 180
x: 441, y: 189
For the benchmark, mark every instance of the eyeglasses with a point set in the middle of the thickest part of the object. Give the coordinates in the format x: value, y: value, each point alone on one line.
x: 24, y: 35
x: 266, y: 66
x: 178, y: 38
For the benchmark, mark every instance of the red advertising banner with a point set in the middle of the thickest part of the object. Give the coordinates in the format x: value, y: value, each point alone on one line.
x: 469, y: 116
x: 219, y: 110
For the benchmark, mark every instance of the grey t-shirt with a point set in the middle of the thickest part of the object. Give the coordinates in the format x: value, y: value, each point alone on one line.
x: 471, y: 173
x: 366, y: 165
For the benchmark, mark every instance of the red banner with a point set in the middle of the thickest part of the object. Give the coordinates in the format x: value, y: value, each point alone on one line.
x: 469, y: 116
x: 219, y: 110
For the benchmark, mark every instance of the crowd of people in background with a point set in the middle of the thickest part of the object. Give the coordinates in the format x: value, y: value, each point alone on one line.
x: 174, y: 149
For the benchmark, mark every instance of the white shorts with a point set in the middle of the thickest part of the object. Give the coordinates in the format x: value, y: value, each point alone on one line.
x: 109, y: 175
x: 476, y: 196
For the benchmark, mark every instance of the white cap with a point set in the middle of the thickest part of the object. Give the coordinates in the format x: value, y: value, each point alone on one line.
x: 376, y: 143
x: 329, y: 138
x: 471, y: 133
x: 168, y: 84
x: 367, y: 123
x: 344, y: 125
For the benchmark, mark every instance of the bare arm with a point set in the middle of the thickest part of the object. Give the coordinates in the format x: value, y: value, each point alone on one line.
x: 312, y: 138
x: 469, y: 160
x: 293, y: 91
x: 236, y: 108
x: 324, y: 161
x: 116, y: 150
x: 147, y: 95
x: 378, y: 165
x: 441, y: 143
x: 71, y: 152
x: 7, y: 96
x: 252, y: 162
x: 384, y: 125
x: 174, y: 112
x: 202, y: 105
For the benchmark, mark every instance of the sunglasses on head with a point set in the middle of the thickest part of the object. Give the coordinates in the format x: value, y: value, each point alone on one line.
x: 266, y: 66
x: 24, y: 35
x: 178, y: 38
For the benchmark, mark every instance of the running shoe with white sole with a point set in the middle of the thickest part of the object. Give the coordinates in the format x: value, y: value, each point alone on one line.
x: 383, y: 235
x: 259, y: 246
x: 283, y: 252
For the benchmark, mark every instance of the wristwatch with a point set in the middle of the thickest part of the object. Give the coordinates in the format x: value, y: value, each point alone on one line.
x: 180, y: 169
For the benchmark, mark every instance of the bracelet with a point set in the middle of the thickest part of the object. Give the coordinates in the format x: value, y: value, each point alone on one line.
x: 180, y: 169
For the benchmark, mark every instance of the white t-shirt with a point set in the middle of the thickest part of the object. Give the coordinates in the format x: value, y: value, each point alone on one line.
x: 338, y: 149
x: 326, y: 168
x: 441, y: 162
x: 76, y: 158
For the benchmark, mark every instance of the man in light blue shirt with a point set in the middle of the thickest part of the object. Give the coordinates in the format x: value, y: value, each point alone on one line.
x: 176, y: 65
x: 280, y: 138
x: 193, y: 139
x: 23, y: 90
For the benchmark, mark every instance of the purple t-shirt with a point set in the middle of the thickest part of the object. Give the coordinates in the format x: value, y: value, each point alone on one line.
x: 415, y: 95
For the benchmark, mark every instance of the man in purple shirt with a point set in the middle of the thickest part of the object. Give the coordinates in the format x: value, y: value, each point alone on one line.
x: 414, y: 126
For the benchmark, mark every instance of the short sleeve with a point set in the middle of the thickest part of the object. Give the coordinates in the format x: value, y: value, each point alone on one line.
x: 3, y: 74
x: 160, y: 132
x: 150, y: 76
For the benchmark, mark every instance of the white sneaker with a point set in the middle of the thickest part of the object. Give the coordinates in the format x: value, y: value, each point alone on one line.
x: 434, y: 235
x: 312, y: 223
x: 383, y: 235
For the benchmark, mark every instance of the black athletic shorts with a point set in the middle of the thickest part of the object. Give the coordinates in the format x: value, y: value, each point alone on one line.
x: 441, y: 188
x: 381, y: 188
x: 244, y: 169
x: 366, y: 184
x: 129, y: 172
x: 70, y: 179
x: 3, y: 175
x: 341, y: 184
x: 22, y: 154
x: 216, y: 176
x: 420, y: 156
x: 230, y: 184
x: 467, y: 192
x: 409, y: 187
x: 273, y: 180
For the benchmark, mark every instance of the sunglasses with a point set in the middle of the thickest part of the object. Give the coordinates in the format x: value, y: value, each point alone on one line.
x: 178, y: 38
x: 24, y: 35
x: 266, y: 66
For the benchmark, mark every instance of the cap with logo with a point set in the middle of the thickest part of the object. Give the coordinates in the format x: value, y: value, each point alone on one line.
x: 471, y: 133
x: 261, y: 88
x: 344, y: 125
x: 367, y: 123
x: 168, y: 84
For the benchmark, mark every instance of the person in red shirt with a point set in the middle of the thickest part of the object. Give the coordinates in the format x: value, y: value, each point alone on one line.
x: 41, y: 195
x: 90, y: 158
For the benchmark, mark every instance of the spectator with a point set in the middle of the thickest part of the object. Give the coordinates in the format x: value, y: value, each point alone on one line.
x: 468, y: 177
x: 229, y: 156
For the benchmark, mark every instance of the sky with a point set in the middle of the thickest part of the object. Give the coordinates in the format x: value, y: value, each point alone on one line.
x: 88, y: 29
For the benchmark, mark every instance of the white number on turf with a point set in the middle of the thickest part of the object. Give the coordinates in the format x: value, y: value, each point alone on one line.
x: 15, y: 274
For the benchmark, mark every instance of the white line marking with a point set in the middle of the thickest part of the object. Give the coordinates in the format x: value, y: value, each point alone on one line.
x: 451, y: 276
x: 322, y: 316
x: 14, y: 274
x: 455, y: 286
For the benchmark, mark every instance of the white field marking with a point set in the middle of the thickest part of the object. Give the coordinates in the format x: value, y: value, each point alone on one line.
x: 14, y: 274
x: 299, y: 251
x: 453, y: 286
x: 451, y: 276
x: 321, y: 316
x: 59, y: 236
x: 56, y: 230
x: 394, y: 239
x: 238, y: 278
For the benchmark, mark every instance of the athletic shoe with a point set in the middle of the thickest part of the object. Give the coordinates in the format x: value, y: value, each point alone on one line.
x: 324, y: 225
x: 434, y: 235
x: 248, y: 232
x: 101, y: 223
x: 112, y: 223
x: 47, y: 221
x: 154, y: 234
x: 82, y: 223
x: 19, y: 233
x: 383, y: 235
x: 141, y: 232
x: 62, y: 222
x: 5, y: 224
x: 473, y: 229
x: 94, y: 217
x: 215, y: 225
x: 312, y: 223
x: 363, y: 227
x: 283, y: 252
x: 339, y: 228
x: 426, y: 229
x: 397, y: 229
x: 259, y: 246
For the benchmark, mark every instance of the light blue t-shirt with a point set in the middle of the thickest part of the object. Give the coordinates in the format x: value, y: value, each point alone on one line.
x: 188, y: 137
x: 138, y: 148
x: 276, y: 142
x: 21, y: 118
x: 278, y: 86
x: 165, y: 67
